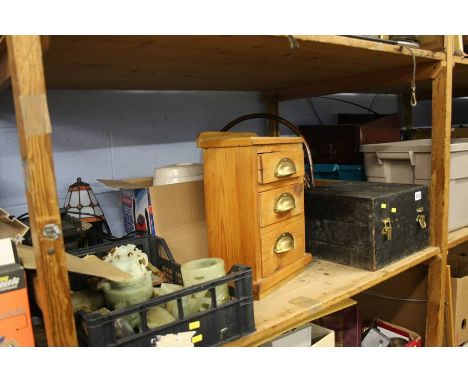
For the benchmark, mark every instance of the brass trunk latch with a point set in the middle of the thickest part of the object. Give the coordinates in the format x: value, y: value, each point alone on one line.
x: 421, y: 218
x: 387, y: 228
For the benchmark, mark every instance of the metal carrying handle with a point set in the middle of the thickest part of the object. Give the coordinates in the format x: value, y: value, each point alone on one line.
x: 284, y: 243
x: 284, y: 203
x: 309, y: 180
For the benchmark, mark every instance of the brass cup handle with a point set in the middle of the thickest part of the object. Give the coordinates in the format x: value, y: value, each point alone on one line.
x: 285, y: 167
x: 284, y: 243
x: 284, y: 203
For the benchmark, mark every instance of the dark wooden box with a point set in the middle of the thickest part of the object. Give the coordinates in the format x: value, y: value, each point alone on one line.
x: 341, y: 143
x: 366, y: 225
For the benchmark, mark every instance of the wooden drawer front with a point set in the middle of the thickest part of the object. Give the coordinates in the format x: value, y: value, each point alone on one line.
x: 272, y: 261
x: 276, y: 166
x: 281, y: 203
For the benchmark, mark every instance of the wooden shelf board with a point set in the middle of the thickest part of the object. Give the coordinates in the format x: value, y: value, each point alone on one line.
x: 460, y: 60
x: 457, y: 237
x: 319, y: 287
x: 247, y: 63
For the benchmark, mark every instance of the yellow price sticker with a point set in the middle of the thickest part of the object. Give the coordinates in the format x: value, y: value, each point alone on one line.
x: 197, y: 338
x: 194, y: 325
x: 383, y: 205
x: 393, y: 210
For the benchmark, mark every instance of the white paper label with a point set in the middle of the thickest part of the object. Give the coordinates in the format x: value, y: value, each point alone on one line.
x: 417, y: 195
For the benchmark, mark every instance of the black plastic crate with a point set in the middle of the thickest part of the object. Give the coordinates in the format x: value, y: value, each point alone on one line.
x: 214, y: 326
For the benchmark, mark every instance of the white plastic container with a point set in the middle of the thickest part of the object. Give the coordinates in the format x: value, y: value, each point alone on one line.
x: 410, y: 162
x: 178, y: 173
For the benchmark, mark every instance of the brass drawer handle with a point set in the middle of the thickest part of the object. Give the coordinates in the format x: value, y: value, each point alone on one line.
x: 285, y: 167
x: 284, y: 203
x: 284, y: 243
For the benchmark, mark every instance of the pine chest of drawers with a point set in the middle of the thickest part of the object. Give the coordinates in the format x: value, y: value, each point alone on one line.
x: 254, y: 202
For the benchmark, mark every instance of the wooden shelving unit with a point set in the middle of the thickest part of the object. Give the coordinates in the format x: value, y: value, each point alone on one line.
x: 280, y: 68
x: 321, y: 286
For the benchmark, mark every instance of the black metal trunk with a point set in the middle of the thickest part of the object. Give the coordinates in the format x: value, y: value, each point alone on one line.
x: 366, y: 225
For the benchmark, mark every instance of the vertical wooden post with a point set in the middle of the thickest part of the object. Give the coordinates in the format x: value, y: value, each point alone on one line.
x: 273, y: 128
x: 441, y: 125
x: 34, y: 129
x: 449, y: 322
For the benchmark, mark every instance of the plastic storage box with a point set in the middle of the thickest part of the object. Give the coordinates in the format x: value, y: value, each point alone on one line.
x: 410, y: 162
x: 214, y: 326
x: 339, y: 171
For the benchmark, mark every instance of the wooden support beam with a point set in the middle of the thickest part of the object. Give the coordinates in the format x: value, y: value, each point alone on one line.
x: 361, y: 82
x: 4, y: 72
x: 441, y: 125
x: 4, y: 69
x: 449, y: 321
x: 273, y: 126
x: 5, y: 79
x: 34, y: 130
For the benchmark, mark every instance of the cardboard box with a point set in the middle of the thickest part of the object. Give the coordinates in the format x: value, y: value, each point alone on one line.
x: 15, y: 317
x: 175, y: 212
x: 384, y: 331
x: 458, y: 261
x: 310, y: 335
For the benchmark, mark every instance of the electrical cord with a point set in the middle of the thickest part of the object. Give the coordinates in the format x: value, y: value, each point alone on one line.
x: 371, y: 106
x: 293, y: 43
x: 314, y: 110
x: 309, y: 178
x: 393, y: 298
x: 349, y: 102
x: 106, y: 225
x: 22, y: 216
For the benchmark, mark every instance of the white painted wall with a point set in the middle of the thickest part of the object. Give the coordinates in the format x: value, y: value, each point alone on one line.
x: 116, y: 135
x: 112, y: 134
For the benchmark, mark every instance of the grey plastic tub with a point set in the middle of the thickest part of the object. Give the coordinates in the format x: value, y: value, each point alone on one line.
x: 410, y: 162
